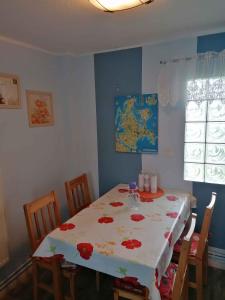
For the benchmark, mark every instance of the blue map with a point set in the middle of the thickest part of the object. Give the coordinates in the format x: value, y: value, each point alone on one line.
x: 136, y: 123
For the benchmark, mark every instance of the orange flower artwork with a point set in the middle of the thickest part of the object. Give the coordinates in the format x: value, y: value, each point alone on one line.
x: 40, y: 108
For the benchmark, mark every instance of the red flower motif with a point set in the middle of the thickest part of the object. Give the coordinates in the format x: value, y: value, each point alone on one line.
x: 67, y: 226
x: 137, y: 217
x: 85, y: 250
x: 131, y: 244
x: 123, y: 190
x: 171, y: 198
x: 147, y: 200
x: 168, y: 236
x: 116, y: 204
x: 172, y: 214
x: 105, y: 220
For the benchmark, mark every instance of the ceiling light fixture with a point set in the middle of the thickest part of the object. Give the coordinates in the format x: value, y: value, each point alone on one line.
x: 116, y: 5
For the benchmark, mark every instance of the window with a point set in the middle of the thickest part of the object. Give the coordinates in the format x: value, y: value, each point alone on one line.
x: 204, y: 149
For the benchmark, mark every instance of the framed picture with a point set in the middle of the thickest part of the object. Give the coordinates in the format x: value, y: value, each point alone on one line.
x: 40, y: 108
x: 9, y: 91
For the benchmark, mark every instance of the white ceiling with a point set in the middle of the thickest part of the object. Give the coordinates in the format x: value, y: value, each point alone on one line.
x: 77, y: 27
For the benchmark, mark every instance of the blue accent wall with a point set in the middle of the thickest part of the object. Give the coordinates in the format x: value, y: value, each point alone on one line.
x: 213, y: 42
x: 116, y: 73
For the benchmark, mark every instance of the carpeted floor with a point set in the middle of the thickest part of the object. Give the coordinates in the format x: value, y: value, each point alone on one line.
x: 86, y: 289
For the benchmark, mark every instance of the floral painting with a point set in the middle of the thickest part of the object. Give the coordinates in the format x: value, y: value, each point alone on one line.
x: 9, y: 91
x: 40, y: 109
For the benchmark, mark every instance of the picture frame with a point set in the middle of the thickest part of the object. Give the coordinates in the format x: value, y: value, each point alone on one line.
x: 40, y: 108
x: 10, y: 93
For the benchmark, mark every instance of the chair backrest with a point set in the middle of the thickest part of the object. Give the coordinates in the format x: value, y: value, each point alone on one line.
x: 42, y: 216
x: 182, y: 273
x: 78, y: 195
x: 205, y: 226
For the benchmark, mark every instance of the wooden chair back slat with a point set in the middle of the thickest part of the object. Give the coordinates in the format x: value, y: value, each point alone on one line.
x: 51, y: 220
x: 205, y: 226
x: 78, y: 195
x: 182, y: 271
x: 42, y: 216
x: 38, y: 230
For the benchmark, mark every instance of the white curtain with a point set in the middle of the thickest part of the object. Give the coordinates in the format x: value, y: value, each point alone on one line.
x: 200, y: 82
x: 175, y: 74
x: 4, y: 253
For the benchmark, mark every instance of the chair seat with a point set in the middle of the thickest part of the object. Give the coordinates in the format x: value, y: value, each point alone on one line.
x: 132, y: 285
x: 167, y: 282
x: 129, y: 284
x: 64, y: 264
x: 194, y: 244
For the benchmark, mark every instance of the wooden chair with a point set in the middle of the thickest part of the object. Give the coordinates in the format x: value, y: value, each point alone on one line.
x: 198, y: 255
x: 42, y: 216
x: 78, y: 198
x: 174, y: 285
x: 78, y: 195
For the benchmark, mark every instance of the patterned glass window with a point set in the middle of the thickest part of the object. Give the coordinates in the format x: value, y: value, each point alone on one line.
x: 204, y: 149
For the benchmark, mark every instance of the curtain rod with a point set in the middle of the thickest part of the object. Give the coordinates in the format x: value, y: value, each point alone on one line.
x: 205, y: 54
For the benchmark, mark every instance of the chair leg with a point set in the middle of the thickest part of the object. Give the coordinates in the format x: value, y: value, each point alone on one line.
x: 57, y: 280
x: 116, y: 295
x: 205, y: 265
x: 72, y: 286
x: 199, y: 280
x: 97, y: 281
x: 35, y: 279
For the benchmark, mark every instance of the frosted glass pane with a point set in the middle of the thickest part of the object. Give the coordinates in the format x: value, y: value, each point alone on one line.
x: 216, y: 110
x: 215, y: 132
x: 194, y: 172
x: 215, y: 174
x: 196, y: 111
x: 215, y: 153
x: 194, y: 152
x: 195, y: 132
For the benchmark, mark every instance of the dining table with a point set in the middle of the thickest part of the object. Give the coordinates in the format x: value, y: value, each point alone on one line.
x: 115, y: 237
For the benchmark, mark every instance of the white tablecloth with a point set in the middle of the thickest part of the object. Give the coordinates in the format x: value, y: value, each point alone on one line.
x: 112, y: 237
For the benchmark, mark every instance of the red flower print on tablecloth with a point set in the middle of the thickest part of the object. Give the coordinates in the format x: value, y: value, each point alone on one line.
x: 172, y: 214
x: 137, y: 217
x: 85, y: 250
x: 168, y: 236
x: 105, y: 220
x: 131, y: 244
x: 116, y: 204
x: 171, y: 197
x: 67, y: 226
x: 146, y: 200
x: 123, y: 190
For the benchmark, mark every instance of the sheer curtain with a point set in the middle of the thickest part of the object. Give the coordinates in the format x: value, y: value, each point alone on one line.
x: 200, y: 82
x: 174, y: 75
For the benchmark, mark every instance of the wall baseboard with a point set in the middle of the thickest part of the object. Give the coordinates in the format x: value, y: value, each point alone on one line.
x: 217, y: 258
x: 20, y: 276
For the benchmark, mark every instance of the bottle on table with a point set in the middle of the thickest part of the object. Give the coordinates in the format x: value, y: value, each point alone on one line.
x: 133, y: 194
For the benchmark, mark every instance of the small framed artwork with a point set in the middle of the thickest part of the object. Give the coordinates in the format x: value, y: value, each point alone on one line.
x: 40, y: 108
x: 9, y: 91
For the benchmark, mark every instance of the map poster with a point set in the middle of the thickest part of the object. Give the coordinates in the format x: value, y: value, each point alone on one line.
x: 136, y: 123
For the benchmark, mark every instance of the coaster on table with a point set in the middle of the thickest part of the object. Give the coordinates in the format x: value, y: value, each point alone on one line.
x: 149, y: 195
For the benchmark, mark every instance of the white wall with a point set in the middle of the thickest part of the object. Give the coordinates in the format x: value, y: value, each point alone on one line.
x: 36, y: 160
x: 81, y: 126
x: 168, y: 163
